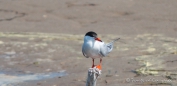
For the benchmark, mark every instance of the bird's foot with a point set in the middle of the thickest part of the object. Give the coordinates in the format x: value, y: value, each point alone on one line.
x: 98, y: 66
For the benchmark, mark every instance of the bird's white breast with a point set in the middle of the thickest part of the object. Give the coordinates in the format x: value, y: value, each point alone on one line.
x: 92, y: 48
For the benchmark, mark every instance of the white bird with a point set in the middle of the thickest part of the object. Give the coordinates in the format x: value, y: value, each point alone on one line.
x: 94, y: 47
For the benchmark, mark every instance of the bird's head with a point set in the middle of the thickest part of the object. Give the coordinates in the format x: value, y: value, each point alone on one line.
x: 92, y: 35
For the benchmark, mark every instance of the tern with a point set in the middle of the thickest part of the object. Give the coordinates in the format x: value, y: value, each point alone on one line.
x: 94, y: 47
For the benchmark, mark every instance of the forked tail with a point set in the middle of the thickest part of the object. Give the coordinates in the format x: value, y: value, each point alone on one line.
x: 115, y: 40
x: 110, y: 45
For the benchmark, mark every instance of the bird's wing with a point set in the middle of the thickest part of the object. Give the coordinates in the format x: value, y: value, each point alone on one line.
x: 107, y: 48
x: 84, y: 53
x: 110, y: 45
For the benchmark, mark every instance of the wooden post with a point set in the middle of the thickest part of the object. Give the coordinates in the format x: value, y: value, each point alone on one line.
x: 92, y: 76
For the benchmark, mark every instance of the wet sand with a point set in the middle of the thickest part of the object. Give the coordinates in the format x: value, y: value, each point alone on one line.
x: 40, y: 42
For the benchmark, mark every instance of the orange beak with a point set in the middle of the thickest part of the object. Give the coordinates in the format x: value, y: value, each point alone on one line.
x: 98, y: 39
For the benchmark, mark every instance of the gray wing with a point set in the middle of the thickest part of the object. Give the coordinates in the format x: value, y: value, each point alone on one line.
x: 84, y: 53
x: 107, y: 48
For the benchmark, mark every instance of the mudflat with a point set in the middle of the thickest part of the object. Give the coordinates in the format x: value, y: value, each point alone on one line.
x: 41, y: 41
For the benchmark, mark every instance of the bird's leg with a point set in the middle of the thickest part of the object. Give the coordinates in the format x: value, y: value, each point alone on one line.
x: 93, y: 63
x: 99, y: 66
x: 100, y: 61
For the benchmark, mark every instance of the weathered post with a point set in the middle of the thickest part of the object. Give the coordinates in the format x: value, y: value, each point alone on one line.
x: 92, y: 76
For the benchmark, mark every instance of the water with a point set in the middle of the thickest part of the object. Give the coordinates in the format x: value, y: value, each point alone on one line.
x: 9, y: 79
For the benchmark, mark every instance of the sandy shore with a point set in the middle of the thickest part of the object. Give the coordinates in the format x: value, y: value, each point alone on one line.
x: 40, y: 42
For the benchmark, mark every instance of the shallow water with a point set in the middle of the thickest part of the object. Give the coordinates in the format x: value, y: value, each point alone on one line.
x: 10, y: 78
